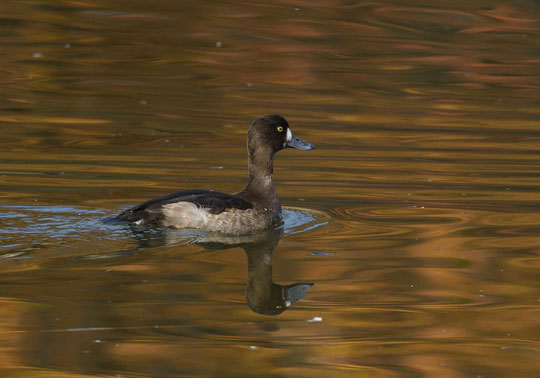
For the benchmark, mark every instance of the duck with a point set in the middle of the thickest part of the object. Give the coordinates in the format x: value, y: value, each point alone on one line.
x: 250, y: 211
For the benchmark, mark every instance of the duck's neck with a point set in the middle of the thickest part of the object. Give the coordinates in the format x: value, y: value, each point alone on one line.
x: 260, y: 287
x: 260, y: 168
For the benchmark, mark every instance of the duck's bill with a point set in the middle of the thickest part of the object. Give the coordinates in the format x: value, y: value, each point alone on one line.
x: 295, y: 292
x: 298, y: 143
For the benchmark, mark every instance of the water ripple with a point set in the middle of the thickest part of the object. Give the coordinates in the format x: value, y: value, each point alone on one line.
x: 27, y: 228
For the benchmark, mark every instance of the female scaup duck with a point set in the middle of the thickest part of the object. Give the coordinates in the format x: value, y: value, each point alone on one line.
x: 249, y: 211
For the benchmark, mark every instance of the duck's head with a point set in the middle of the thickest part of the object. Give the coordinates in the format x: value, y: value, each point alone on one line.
x: 274, y: 132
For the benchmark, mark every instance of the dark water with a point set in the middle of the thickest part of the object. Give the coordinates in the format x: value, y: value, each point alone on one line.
x: 410, y: 242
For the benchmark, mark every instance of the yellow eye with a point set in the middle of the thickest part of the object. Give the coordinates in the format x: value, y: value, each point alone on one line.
x: 280, y: 128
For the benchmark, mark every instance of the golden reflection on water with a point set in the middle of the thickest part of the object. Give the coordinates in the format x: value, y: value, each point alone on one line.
x: 423, y: 187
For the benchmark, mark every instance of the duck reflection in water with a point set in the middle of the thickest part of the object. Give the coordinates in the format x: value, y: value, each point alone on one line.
x: 263, y: 295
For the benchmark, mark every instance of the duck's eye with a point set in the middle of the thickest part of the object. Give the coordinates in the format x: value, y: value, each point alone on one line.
x: 280, y: 129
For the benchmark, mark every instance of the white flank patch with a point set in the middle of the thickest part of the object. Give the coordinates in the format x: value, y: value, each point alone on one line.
x: 184, y: 214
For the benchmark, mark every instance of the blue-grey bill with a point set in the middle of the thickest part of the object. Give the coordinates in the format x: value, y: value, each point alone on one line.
x: 298, y: 143
x: 295, y: 292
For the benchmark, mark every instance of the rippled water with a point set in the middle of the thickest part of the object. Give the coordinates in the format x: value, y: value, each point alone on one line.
x: 409, y: 244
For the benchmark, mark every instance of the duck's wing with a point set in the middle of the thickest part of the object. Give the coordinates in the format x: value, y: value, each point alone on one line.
x: 211, y: 201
